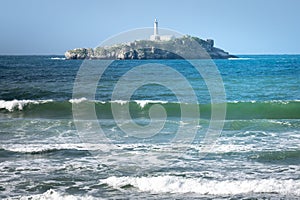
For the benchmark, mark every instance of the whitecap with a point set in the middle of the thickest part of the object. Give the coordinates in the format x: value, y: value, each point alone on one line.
x: 239, y: 58
x: 20, y: 104
x: 41, y: 147
x: 143, y: 103
x: 57, y: 58
x: 122, y: 102
x: 54, y: 195
x: 174, y: 184
x: 80, y: 100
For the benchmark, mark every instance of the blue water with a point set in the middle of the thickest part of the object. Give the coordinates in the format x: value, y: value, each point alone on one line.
x: 44, y: 151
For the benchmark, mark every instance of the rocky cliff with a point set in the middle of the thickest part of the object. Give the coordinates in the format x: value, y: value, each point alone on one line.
x: 186, y: 47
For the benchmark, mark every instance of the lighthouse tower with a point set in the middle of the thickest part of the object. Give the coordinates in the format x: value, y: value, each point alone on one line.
x: 155, y: 27
x: 156, y: 36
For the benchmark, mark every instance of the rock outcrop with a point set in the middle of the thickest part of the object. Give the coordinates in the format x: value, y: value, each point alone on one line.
x: 186, y: 47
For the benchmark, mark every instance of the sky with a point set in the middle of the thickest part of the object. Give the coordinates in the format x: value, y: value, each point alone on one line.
x: 237, y: 26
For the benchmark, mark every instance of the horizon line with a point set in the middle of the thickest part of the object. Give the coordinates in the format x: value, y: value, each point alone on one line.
x: 241, y: 54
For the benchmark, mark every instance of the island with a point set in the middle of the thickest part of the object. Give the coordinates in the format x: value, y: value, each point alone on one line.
x: 157, y: 47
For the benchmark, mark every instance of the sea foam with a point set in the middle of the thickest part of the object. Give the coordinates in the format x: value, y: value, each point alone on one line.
x: 240, y: 58
x: 57, y: 58
x: 39, y: 148
x: 20, y: 104
x: 174, y: 184
x: 143, y: 103
x: 80, y: 100
x: 54, y: 195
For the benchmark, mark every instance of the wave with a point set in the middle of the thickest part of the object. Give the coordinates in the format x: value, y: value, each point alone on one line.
x: 48, y: 152
x: 175, y: 184
x: 140, y: 108
x: 57, y: 58
x: 255, y: 152
x: 141, y: 103
x: 20, y: 104
x: 240, y: 58
x: 181, y: 185
x: 52, y: 194
x: 47, y: 149
x: 80, y: 100
x: 269, y: 156
x: 40, y: 148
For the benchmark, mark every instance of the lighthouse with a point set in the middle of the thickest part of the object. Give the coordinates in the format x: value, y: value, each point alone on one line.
x: 155, y: 27
x: 156, y: 36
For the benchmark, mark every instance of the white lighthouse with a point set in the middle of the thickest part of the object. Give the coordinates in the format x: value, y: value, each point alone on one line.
x: 155, y: 27
x: 156, y: 36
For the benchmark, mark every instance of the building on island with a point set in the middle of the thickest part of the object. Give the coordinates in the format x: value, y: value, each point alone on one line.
x: 158, y: 37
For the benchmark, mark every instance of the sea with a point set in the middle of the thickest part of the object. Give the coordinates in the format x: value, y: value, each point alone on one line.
x: 242, y: 140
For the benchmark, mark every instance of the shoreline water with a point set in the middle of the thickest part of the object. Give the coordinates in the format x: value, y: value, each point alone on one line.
x: 42, y: 155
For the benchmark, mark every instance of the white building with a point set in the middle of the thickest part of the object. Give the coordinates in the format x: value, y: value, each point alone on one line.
x: 156, y: 36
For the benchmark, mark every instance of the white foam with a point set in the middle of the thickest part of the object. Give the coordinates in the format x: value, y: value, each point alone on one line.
x: 53, y: 195
x: 19, y: 104
x: 182, y: 123
x: 143, y: 103
x: 281, y: 122
x: 271, y: 101
x: 280, y: 101
x: 228, y: 148
x: 83, y: 99
x: 119, y: 102
x: 163, y: 147
x: 239, y: 58
x: 34, y: 148
x: 174, y: 184
x: 251, y: 101
x: 80, y: 100
x: 57, y: 58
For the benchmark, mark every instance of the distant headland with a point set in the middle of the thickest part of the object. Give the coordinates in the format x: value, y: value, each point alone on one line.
x: 157, y: 47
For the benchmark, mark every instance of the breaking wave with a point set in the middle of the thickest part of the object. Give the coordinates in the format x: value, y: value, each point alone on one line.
x: 140, y: 108
x: 57, y: 58
x: 52, y: 194
x: 174, y: 184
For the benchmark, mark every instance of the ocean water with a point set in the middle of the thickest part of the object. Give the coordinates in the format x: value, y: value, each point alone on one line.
x: 43, y: 155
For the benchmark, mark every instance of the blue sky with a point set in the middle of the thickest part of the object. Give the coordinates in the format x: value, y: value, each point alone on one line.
x: 237, y: 26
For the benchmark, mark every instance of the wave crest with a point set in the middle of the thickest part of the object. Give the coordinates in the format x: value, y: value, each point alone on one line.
x: 20, y: 104
x: 173, y: 184
x: 52, y: 194
x: 57, y: 58
x: 140, y: 108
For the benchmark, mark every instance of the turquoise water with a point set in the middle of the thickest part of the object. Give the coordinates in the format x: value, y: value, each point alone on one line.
x: 257, y: 155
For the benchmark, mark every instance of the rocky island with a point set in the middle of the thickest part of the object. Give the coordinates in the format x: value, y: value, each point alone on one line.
x: 157, y: 47
x: 148, y: 49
